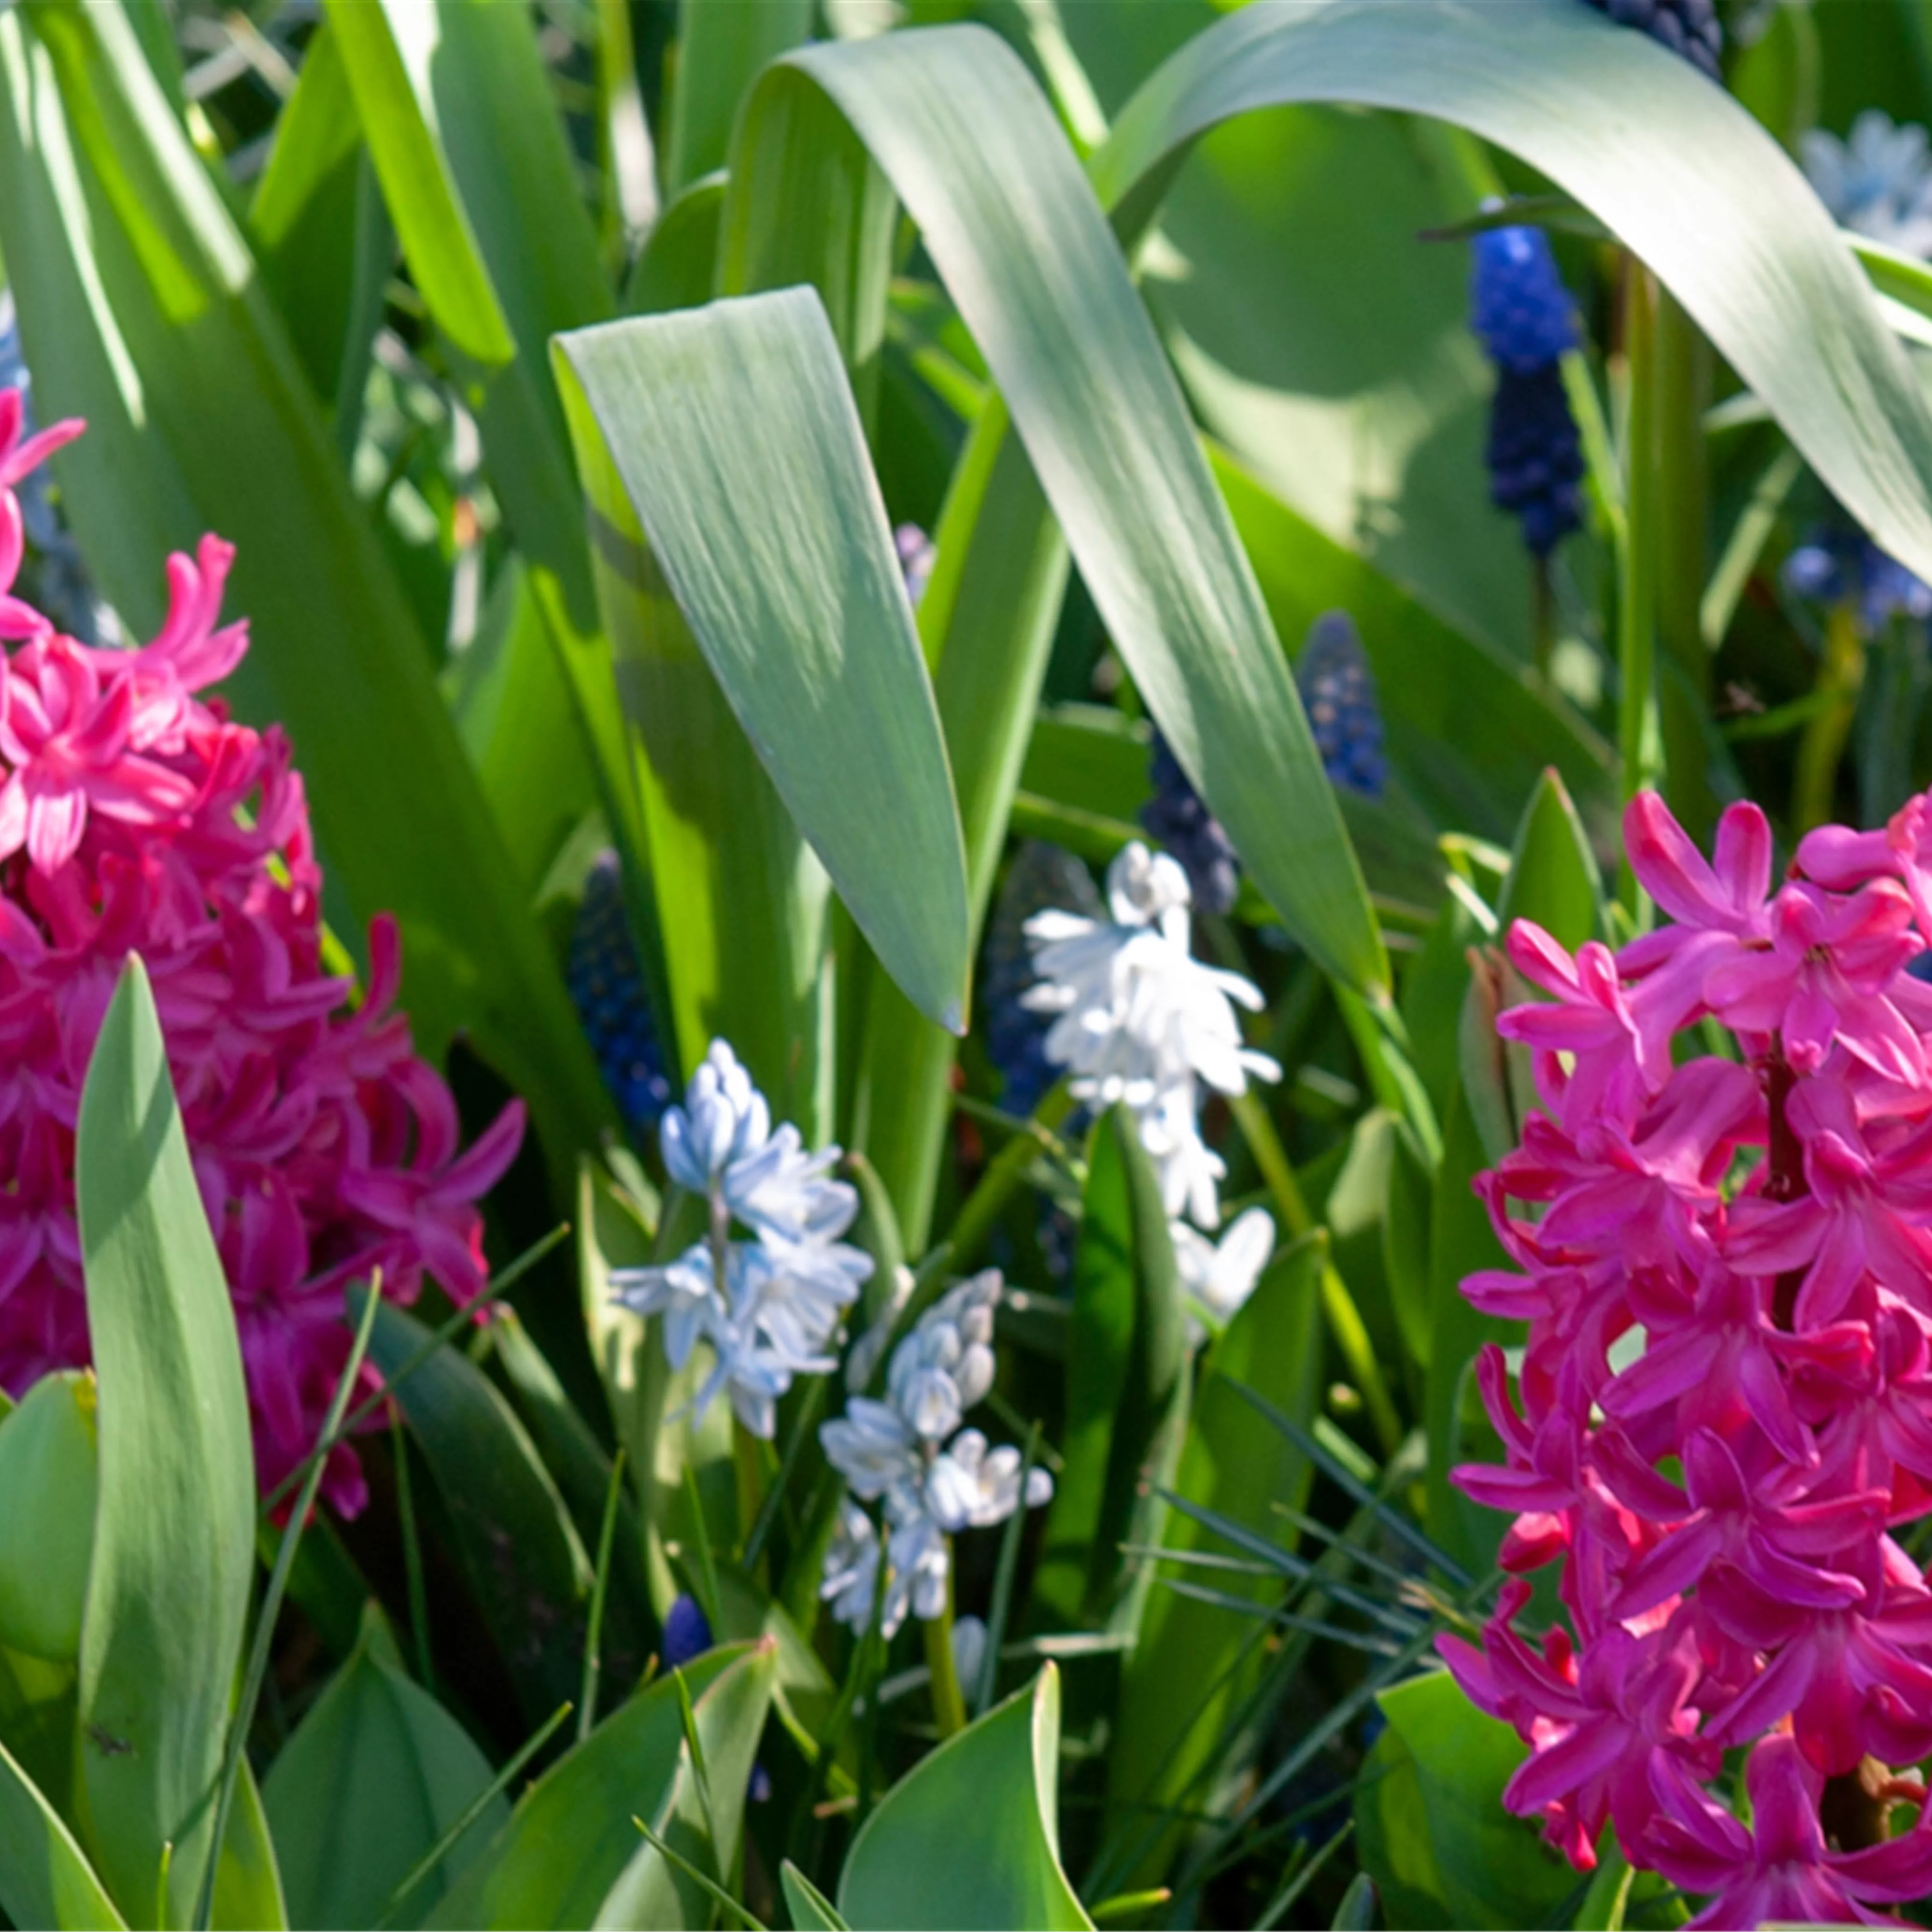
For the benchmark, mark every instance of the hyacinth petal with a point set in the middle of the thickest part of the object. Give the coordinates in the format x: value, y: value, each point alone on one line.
x: 35, y: 451
x: 1669, y: 866
x: 1552, y: 1773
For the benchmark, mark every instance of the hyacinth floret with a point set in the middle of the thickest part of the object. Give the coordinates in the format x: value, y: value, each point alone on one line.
x: 1688, y: 28
x: 1721, y: 1418
x: 137, y: 816
x: 1140, y: 1023
x: 1338, y: 692
x: 768, y: 1300
x: 1041, y: 877
x: 931, y: 1477
x: 606, y: 987
x: 1176, y: 816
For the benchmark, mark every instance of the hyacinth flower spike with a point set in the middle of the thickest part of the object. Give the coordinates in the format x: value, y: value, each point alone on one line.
x: 136, y: 816
x: 1721, y: 1414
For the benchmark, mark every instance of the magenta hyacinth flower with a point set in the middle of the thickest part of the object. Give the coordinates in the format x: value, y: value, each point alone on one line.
x: 1720, y: 1416
x: 136, y: 815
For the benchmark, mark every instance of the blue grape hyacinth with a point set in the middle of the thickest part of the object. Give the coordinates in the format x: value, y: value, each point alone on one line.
x: 1686, y: 27
x: 606, y: 986
x: 1177, y: 817
x: 1338, y: 692
x: 1838, y: 562
x: 1523, y: 315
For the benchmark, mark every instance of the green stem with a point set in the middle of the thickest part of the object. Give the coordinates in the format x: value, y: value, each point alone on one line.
x: 1683, y: 366
x: 1004, y: 1173
x: 1639, y: 740
x: 747, y: 1460
x: 1344, y: 1319
x: 949, y: 1704
x: 1815, y: 781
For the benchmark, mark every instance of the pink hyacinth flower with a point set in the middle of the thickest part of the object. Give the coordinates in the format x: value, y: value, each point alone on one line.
x: 18, y: 460
x: 1779, y: 1869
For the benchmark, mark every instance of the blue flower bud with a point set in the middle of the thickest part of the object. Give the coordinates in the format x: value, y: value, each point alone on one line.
x: 1689, y: 28
x: 1338, y: 692
x: 687, y: 1633
x: 1518, y: 305
x: 1177, y: 817
x: 606, y: 987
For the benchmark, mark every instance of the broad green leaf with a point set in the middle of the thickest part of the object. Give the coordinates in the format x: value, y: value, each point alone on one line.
x: 322, y: 234
x: 1429, y: 1818
x: 969, y: 1836
x: 730, y: 1720
x: 174, y: 1540
x: 810, y: 1910
x: 39, y: 1720
x: 1671, y: 165
x: 722, y: 44
x: 142, y: 308
x: 45, y: 1878
x: 734, y: 432
x: 1127, y: 1391
x: 972, y: 147
x: 48, y: 1475
x: 374, y: 1776
x: 526, y: 1567
x: 610, y: 1235
x: 390, y: 52
x: 679, y: 262
x: 1181, y: 1680
x: 576, y: 1460
x: 570, y: 1837
x: 1470, y: 732
x: 1553, y: 876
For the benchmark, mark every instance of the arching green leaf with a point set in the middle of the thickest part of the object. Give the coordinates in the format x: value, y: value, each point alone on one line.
x: 1671, y: 165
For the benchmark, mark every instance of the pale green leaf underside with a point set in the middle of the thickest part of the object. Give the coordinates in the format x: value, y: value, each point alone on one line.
x: 734, y: 430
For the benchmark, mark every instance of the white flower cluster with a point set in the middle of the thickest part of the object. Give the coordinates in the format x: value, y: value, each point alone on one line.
x: 769, y: 1306
x: 933, y: 1477
x: 1877, y: 183
x: 1141, y: 1023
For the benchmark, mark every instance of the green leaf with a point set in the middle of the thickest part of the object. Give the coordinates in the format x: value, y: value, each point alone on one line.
x: 968, y: 1837
x: 1127, y: 1391
x: 526, y: 1567
x: 570, y: 1837
x: 142, y: 308
x: 1552, y: 876
x: 1430, y: 1822
x: 322, y: 234
x: 390, y: 52
x: 373, y: 1777
x: 45, y: 1878
x: 972, y: 147
x: 1670, y: 164
x: 702, y: 1815
x: 810, y: 1910
x: 1180, y: 1682
x: 48, y: 1474
x: 1470, y: 732
x: 721, y: 45
x: 679, y: 261
x: 174, y: 1540
x: 735, y: 434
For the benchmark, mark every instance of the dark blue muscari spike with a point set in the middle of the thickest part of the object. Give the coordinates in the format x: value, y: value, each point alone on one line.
x: 1042, y: 878
x: 606, y: 987
x: 1518, y: 305
x: 1523, y: 313
x: 687, y: 1633
x: 1535, y: 456
x: 1686, y: 27
x: 1338, y: 692
x: 1177, y: 817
